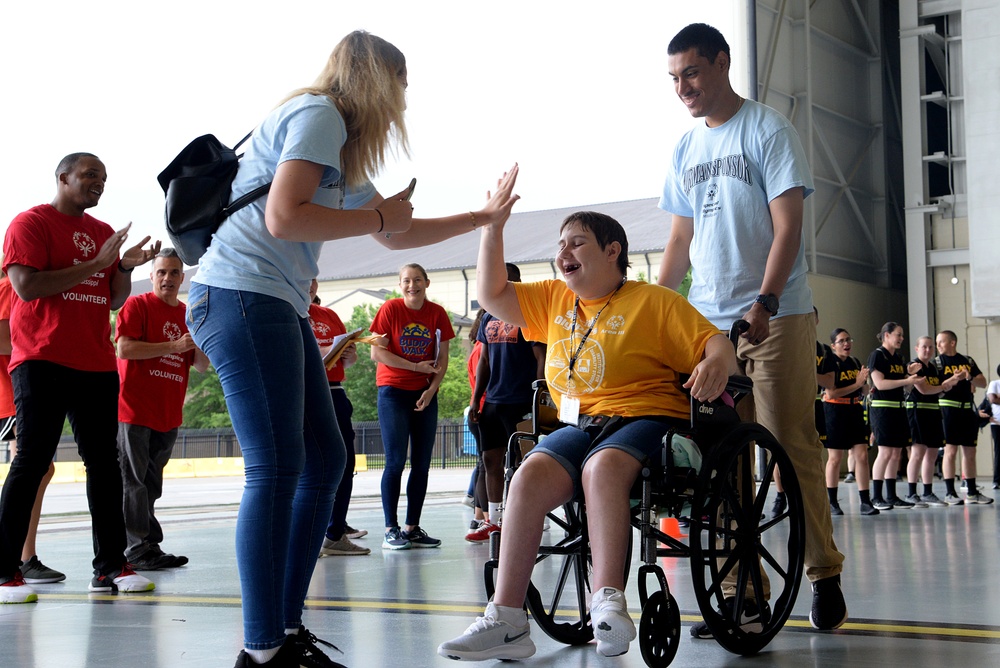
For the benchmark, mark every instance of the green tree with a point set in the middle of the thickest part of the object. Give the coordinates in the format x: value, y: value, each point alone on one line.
x: 359, y: 381
x: 205, y: 404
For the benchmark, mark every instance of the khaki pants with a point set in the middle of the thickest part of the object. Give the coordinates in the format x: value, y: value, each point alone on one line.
x: 783, y: 370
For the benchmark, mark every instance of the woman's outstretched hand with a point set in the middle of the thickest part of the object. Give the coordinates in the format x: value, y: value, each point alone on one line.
x: 499, y: 202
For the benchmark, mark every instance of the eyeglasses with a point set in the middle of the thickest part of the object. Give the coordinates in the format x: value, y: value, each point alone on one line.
x: 842, y: 341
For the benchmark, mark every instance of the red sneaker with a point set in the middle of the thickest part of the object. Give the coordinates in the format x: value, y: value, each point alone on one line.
x: 482, y: 534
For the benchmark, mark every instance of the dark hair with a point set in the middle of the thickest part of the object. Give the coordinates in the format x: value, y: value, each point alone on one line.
x: 606, y: 230
x: 474, y: 328
x: 513, y: 271
x: 67, y: 164
x: 701, y: 36
x: 837, y: 332
x: 950, y: 334
x: 887, y: 328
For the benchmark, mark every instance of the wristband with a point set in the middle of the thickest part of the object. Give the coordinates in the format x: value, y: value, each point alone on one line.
x: 122, y: 268
x: 381, y: 221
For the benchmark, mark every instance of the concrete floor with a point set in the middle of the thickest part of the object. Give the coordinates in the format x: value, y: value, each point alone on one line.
x: 921, y: 586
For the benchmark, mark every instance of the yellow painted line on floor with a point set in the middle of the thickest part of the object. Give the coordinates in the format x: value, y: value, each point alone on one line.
x: 882, y: 628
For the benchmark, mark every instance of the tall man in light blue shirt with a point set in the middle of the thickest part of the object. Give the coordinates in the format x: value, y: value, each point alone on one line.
x: 735, y: 196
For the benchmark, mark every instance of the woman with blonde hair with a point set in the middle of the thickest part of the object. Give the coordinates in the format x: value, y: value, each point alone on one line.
x: 249, y: 313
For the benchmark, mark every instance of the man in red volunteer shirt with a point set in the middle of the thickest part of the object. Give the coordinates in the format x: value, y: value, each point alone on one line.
x: 64, y: 266
x: 155, y: 356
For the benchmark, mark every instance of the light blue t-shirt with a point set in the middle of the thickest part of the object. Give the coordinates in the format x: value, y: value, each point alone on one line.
x: 724, y: 178
x: 243, y: 254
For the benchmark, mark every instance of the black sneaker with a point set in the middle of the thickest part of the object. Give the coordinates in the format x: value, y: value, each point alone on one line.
x: 103, y: 583
x: 151, y: 561
x: 829, y: 610
x: 309, y: 654
x: 900, y: 503
x: 35, y: 572
x: 835, y: 509
x: 419, y: 538
x: 779, y: 507
x: 750, y: 620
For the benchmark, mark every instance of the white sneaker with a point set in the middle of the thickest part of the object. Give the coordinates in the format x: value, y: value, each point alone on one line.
x: 492, y: 638
x: 14, y: 590
x: 613, y: 627
x: 130, y: 581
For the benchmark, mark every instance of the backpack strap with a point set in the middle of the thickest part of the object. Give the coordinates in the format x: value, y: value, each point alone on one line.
x: 249, y: 197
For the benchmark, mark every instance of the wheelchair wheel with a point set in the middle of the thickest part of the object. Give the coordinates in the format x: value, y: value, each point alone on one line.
x: 659, y: 630
x: 560, y: 589
x: 732, y: 548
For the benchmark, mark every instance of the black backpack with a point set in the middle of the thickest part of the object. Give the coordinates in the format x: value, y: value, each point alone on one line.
x: 197, y: 185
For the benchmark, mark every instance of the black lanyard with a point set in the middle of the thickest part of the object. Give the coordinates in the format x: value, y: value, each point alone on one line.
x: 572, y: 331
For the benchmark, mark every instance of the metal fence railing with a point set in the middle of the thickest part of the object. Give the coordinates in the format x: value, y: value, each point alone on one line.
x: 454, y: 446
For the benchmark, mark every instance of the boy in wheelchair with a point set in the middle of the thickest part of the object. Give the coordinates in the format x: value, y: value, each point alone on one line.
x: 616, y: 349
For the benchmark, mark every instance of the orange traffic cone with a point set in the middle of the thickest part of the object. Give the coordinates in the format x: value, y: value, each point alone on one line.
x: 671, y: 527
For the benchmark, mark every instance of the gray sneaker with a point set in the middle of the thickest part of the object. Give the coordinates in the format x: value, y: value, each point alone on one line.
x: 916, y: 501
x: 490, y: 638
x: 976, y: 498
x: 395, y: 539
x: 35, y: 572
x: 932, y: 500
x: 343, y: 547
x: 953, y: 500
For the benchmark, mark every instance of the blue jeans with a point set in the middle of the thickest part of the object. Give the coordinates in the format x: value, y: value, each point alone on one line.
x: 279, y: 401
x: 402, y: 424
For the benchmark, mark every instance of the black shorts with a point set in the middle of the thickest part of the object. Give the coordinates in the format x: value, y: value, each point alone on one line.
x: 890, y: 427
x: 925, y: 426
x: 498, y: 421
x: 959, y: 426
x: 845, y: 426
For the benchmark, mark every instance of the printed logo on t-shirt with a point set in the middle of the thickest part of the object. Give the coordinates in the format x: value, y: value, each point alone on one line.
x: 83, y: 241
x: 588, y: 371
x: 498, y: 331
x: 321, y: 330
x: 614, y: 325
x: 172, y: 331
x: 734, y: 166
x: 415, y: 340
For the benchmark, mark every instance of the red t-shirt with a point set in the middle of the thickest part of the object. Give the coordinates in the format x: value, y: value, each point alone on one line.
x: 152, y: 390
x: 326, y: 324
x: 6, y: 390
x: 71, y: 328
x: 412, y: 336
x: 471, y: 364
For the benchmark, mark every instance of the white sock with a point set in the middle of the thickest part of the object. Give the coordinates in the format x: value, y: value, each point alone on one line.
x: 495, y: 514
x: 262, y: 655
x: 292, y: 632
x: 511, y: 615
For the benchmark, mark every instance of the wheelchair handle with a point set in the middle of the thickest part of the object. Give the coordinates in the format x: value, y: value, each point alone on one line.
x: 738, y: 328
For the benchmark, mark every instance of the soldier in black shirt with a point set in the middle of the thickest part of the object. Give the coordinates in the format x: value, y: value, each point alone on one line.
x: 958, y: 417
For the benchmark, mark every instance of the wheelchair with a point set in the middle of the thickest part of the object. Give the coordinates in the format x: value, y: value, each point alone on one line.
x: 735, y: 551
